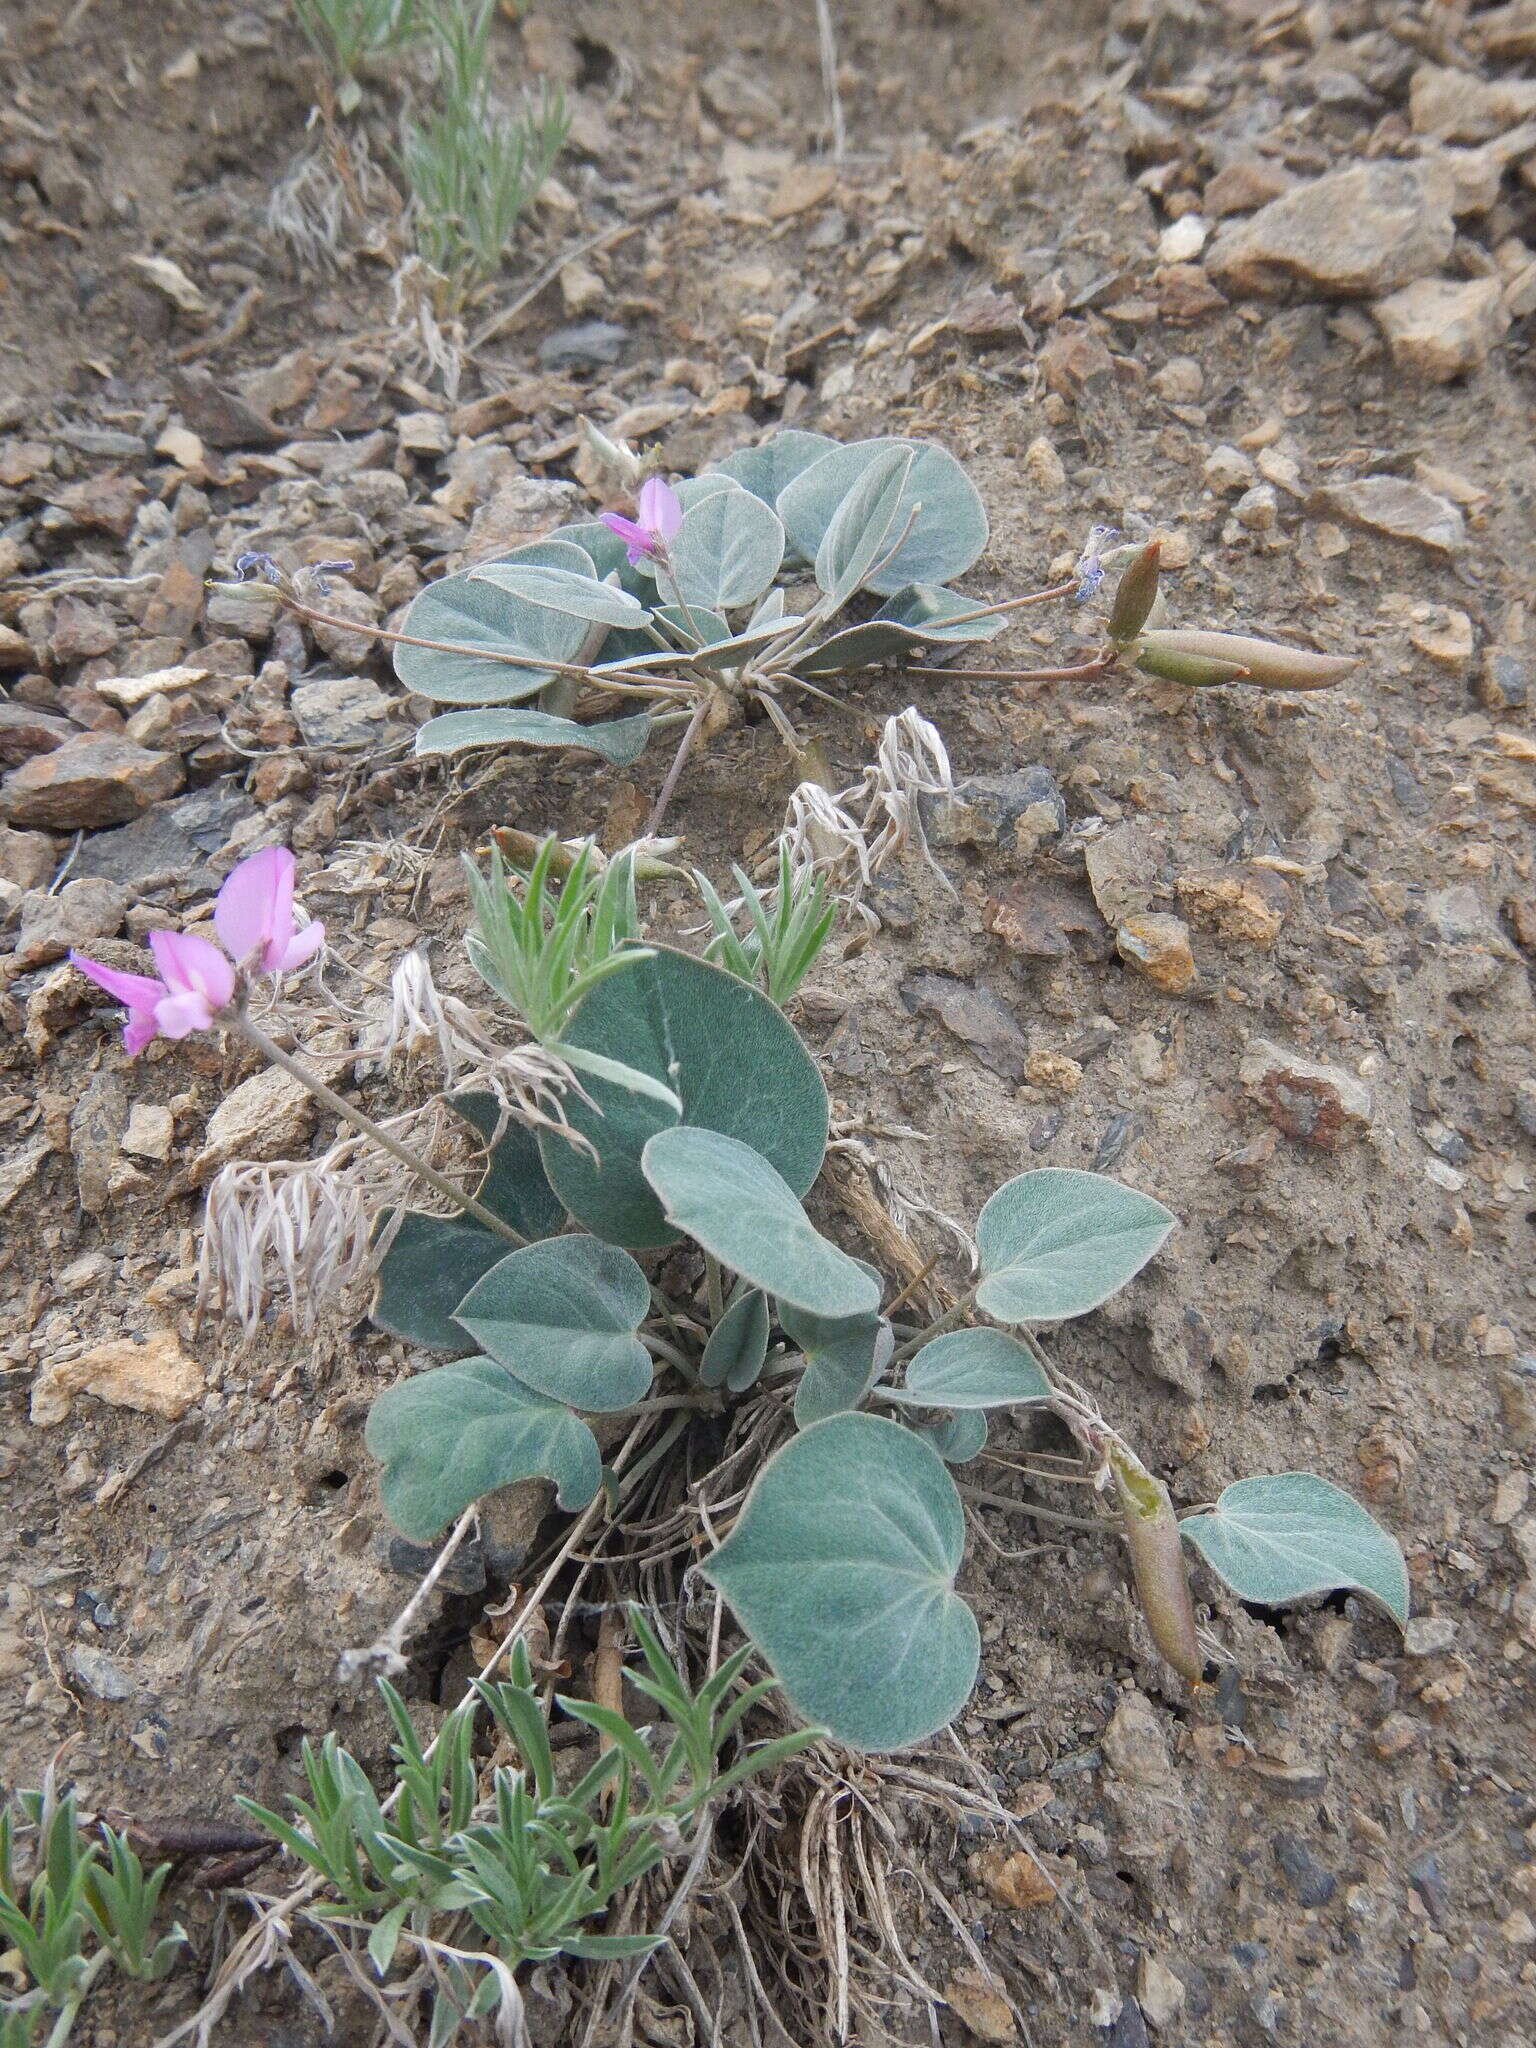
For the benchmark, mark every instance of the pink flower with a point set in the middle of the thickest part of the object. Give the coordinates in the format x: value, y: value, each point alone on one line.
x: 139, y: 994
x: 254, y: 915
x: 649, y: 536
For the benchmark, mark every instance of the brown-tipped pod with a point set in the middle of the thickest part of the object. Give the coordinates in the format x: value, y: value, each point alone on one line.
x: 1157, y: 1562
x: 1263, y: 662
x: 1135, y: 594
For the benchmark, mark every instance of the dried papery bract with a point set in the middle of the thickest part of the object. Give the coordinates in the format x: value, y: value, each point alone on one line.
x: 848, y: 835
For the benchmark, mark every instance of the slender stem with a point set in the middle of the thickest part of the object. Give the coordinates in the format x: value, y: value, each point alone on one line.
x: 940, y: 1323
x: 253, y: 1034
x: 660, y: 1348
x: 308, y: 612
x: 714, y: 1290
x: 685, y: 748
x: 982, y: 1497
x: 1015, y: 604
x: 1096, y: 667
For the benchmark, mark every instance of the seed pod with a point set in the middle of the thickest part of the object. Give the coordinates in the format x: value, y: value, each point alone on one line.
x: 1194, y: 671
x: 1135, y: 594
x: 1270, y: 666
x: 1157, y: 1562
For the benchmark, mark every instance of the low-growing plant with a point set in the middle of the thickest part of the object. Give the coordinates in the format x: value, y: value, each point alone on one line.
x: 74, y: 1902
x: 780, y: 571
x: 350, y: 35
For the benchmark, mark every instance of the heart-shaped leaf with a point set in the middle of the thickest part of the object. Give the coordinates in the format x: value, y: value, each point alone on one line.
x: 915, y: 621
x: 865, y: 526
x: 727, y: 551
x: 775, y: 463
x: 738, y: 1206
x: 563, y: 590
x: 957, y: 1438
x: 945, y: 538
x: 932, y: 613
x: 1058, y: 1242
x: 734, y: 1062
x: 433, y: 1261
x: 562, y: 1315
x: 978, y: 1368
x: 738, y: 1344
x: 619, y: 740
x: 841, y: 1568
x: 602, y: 547
x: 844, y: 1356
x: 473, y: 621
x: 1278, y: 1538
x: 451, y: 1435
x: 553, y: 552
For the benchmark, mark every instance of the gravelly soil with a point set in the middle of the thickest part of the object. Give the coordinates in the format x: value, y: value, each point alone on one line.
x: 1337, y: 1846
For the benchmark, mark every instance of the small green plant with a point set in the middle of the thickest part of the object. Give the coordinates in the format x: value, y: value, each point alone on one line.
x: 481, y: 1881
x: 349, y: 35
x: 471, y: 167
x: 785, y: 930
x: 841, y: 1563
x: 68, y: 1912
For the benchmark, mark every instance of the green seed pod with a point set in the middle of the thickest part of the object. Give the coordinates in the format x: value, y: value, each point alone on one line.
x: 1262, y: 661
x: 1194, y: 671
x: 1135, y: 594
x: 1157, y: 1562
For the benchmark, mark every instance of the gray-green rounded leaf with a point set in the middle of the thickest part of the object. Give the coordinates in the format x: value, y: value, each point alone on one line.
x: 472, y: 621
x: 738, y: 1344
x: 732, y: 1058
x: 619, y: 740
x: 451, y: 1435
x: 775, y: 463
x: 562, y: 1315
x: 958, y: 1437
x: 865, y: 527
x: 844, y: 1356
x: 946, y: 536
x: 727, y: 551
x: 841, y: 1568
x: 738, y: 1206
x: 978, y: 1368
x: 1058, y: 1242
x: 555, y: 553
x: 1283, y: 1536
x: 576, y: 594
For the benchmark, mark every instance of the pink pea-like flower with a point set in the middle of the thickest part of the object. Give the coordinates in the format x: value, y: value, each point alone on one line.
x: 650, y: 535
x: 253, y: 918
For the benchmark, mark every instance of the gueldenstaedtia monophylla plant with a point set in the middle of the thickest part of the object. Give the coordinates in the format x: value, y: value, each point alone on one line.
x: 775, y: 575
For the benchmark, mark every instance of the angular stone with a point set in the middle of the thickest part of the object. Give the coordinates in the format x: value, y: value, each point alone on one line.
x: 266, y: 1117
x: 25, y: 731
x: 1137, y: 1746
x: 352, y: 648
x: 151, y: 1131
x: 340, y: 711
x: 129, y: 692
x: 974, y: 1015
x: 15, y: 648
x: 1439, y: 328
x: 1399, y: 509
x: 1247, y: 905
x: 1308, y: 1100
x: 1157, y: 946
x: 1244, y: 185
x: 1457, y: 106
x: 83, y: 911
x: 155, y: 1377
x: 249, y: 610
x: 221, y: 418
x: 97, y: 779
x: 1016, y: 813
x: 1353, y: 233
x: 1159, y: 1993
x: 26, y: 858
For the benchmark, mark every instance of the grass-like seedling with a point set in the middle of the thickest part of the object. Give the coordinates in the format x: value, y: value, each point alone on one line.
x: 349, y: 35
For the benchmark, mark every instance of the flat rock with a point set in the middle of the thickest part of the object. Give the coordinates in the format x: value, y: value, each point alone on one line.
x: 1458, y: 106
x: 147, y: 850
x: 151, y: 1131
x: 129, y: 692
x: 352, y: 647
x: 99, y: 1673
x: 1354, y: 233
x: 26, y: 858
x: 266, y: 1117
x: 1137, y: 1746
x: 1247, y: 905
x: 220, y: 417
x: 97, y: 779
x: 82, y: 912
x: 339, y: 711
x: 1015, y: 814
x: 975, y: 1015
x: 1309, y: 1100
x: 1400, y: 509
x: 1439, y: 327
x: 1157, y: 946
x: 155, y: 1377
x: 25, y: 731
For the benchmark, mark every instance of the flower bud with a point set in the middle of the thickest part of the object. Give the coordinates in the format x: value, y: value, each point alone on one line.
x: 1135, y: 594
x: 1272, y: 667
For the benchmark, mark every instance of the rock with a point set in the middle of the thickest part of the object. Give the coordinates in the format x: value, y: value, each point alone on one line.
x: 145, y: 851
x: 1016, y: 813
x: 221, y: 418
x: 247, y: 610
x: 267, y: 1117
x: 1121, y: 864
x: 1312, y: 1884
x: 1258, y: 510
x: 1040, y: 919
x: 1353, y: 233
x: 26, y: 858
x: 1446, y: 635
x: 1044, y: 467
x: 980, y: 2007
x: 1182, y: 240
x: 975, y: 1015
x: 98, y: 1673
x: 82, y: 912
x: 464, y: 1572
x: 590, y: 345
x: 1503, y: 683
x: 1159, y: 1993
x: 15, y: 648
x: 1054, y: 1071
x: 1315, y: 1103
x: 1399, y: 509
x: 151, y: 1132
x: 1245, y: 184
x: 1246, y: 905
x: 351, y: 649
x: 340, y: 711
x: 1180, y: 381
x: 1228, y: 470
x: 1136, y: 1745
x: 1015, y: 1878
x: 423, y: 433
x: 1130, y: 2027
x: 80, y: 631
x: 1456, y: 106
x: 25, y: 731
x: 802, y: 187
x: 155, y: 1377
x: 1440, y: 328
x: 19, y: 1170
x: 97, y: 779
x: 96, y: 1127
x: 1157, y: 946
x: 129, y: 692
x: 1429, y: 1635
x: 521, y: 508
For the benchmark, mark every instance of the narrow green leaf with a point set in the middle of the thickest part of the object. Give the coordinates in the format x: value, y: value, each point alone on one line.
x: 841, y: 1568
x: 738, y: 1344
x: 735, y: 1203
x: 1058, y: 1242
x: 562, y: 1315
x: 980, y: 1368
x: 1280, y: 1537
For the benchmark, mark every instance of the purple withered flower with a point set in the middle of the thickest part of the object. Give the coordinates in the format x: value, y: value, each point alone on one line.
x: 648, y: 537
